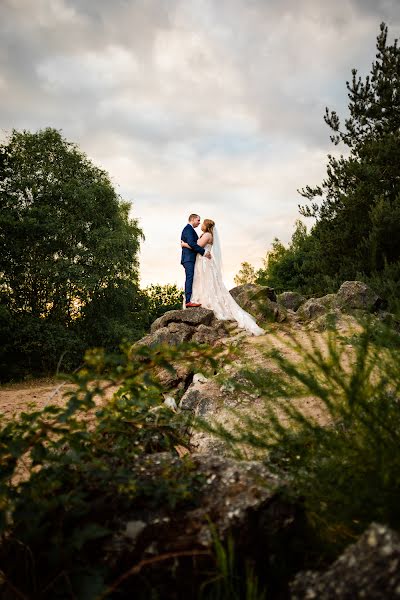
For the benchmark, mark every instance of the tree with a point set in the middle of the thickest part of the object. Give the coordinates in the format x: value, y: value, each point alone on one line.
x: 247, y: 274
x: 66, y: 238
x: 289, y: 267
x: 161, y: 298
x: 357, y: 226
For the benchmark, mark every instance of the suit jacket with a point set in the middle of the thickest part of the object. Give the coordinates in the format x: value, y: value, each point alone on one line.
x: 190, y: 237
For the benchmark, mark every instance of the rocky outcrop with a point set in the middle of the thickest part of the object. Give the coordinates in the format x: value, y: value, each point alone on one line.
x: 311, y: 309
x: 219, y: 400
x: 205, y: 399
x: 351, y: 296
x: 193, y: 317
x: 358, y: 295
x: 259, y: 301
x: 177, y: 326
x: 290, y: 300
x: 370, y: 568
x: 233, y: 498
x: 253, y: 288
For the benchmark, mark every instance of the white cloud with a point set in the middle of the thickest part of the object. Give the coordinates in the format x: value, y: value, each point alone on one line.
x: 191, y: 105
x: 88, y: 71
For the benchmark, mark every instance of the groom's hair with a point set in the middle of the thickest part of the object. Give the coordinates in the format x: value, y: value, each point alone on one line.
x: 192, y: 216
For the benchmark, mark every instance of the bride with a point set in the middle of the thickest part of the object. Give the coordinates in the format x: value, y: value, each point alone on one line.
x: 208, y: 287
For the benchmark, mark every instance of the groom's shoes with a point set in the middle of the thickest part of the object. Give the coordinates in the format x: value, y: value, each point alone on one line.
x: 192, y: 304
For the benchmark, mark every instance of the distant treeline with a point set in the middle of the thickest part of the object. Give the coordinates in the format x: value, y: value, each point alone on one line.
x: 68, y: 259
x: 356, y: 208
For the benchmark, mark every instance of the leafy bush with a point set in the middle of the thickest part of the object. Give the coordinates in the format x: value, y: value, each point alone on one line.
x: 68, y: 256
x: 346, y: 473
x: 162, y: 298
x: 66, y: 471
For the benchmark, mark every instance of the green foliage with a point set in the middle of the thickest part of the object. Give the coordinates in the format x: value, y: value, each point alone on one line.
x: 247, y: 274
x: 358, y: 222
x: 162, y: 298
x: 357, y: 206
x: 231, y: 580
x: 68, y: 254
x: 294, y: 267
x: 346, y: 471
x: 68, y: 471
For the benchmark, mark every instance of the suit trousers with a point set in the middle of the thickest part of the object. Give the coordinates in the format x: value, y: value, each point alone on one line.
x: 189, y: 270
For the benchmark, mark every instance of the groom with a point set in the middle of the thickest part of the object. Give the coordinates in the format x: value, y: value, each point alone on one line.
x: 188, y: 259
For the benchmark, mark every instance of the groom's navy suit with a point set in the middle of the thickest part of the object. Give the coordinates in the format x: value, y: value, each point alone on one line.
x: 189, y: 257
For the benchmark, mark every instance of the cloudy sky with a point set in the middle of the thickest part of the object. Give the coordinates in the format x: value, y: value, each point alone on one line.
x: 207, y: 106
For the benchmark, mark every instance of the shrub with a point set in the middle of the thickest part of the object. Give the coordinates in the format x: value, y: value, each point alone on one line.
x: 66, y: 470
x: 346, y: 473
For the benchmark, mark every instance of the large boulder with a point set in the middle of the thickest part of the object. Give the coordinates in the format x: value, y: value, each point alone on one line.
x: 173, y: 334
x: 208, y: 335
x: 352, y: 296
x: 370, y: 569
x: 178, y: 326
x: 205, y: 399
x: 358, y: 295
x: 192, y: 316
x: 290, y: 300
x: 253, y: 288
x: 259, y: 301
x: 335, y: 319
x: 233, y: 499
x: 311, y: 309
x: 220, y: 401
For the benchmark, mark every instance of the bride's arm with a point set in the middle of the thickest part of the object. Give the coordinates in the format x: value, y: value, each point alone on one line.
x: 202, y: 241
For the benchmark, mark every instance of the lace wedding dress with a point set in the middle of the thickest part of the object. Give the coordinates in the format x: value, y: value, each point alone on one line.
x: 209, y: 290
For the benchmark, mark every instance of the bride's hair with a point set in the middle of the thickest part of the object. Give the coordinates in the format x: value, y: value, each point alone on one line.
x: 209, y: 225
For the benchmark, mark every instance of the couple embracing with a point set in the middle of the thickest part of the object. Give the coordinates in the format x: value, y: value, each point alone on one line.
x: 201, y: 259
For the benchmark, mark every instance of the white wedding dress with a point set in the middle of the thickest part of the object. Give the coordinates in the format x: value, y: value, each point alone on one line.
x: 209, y: 290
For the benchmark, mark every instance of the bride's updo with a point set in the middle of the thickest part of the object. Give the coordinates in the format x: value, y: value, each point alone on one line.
x: 208, y: 226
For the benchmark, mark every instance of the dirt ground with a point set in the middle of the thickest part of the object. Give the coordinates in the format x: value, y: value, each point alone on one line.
x: 36, y: 394
x: 16, y: 397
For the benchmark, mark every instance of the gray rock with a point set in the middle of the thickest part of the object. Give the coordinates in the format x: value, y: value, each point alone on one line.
x: 252, y: 289
x: 234, y: 499
x: 206, y: 335
x: 206, y: 401
x: 334, y: 319
x: 356, y: 294
x: 368, y: 569
x: 218, y: 401
x: 330, y: 301
x: 290, y: 300
x: 178, y: 379
x: 199, y: 378
x: 191, y: 316
x: 259, y: 301
x: 311, y: 309
x: 202, y: 399
x: 173, y: 334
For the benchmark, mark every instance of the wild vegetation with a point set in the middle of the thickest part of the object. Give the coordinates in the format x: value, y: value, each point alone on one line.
x: 356, y: 234
x: 68, y: 259
x: 69, y: 281
x: 347, y: 473
x: 66, y: 472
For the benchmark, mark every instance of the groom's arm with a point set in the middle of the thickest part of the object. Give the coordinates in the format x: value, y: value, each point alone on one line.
x: 192, y: 241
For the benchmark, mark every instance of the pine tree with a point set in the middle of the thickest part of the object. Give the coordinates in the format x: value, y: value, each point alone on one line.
x: 358, y: 220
